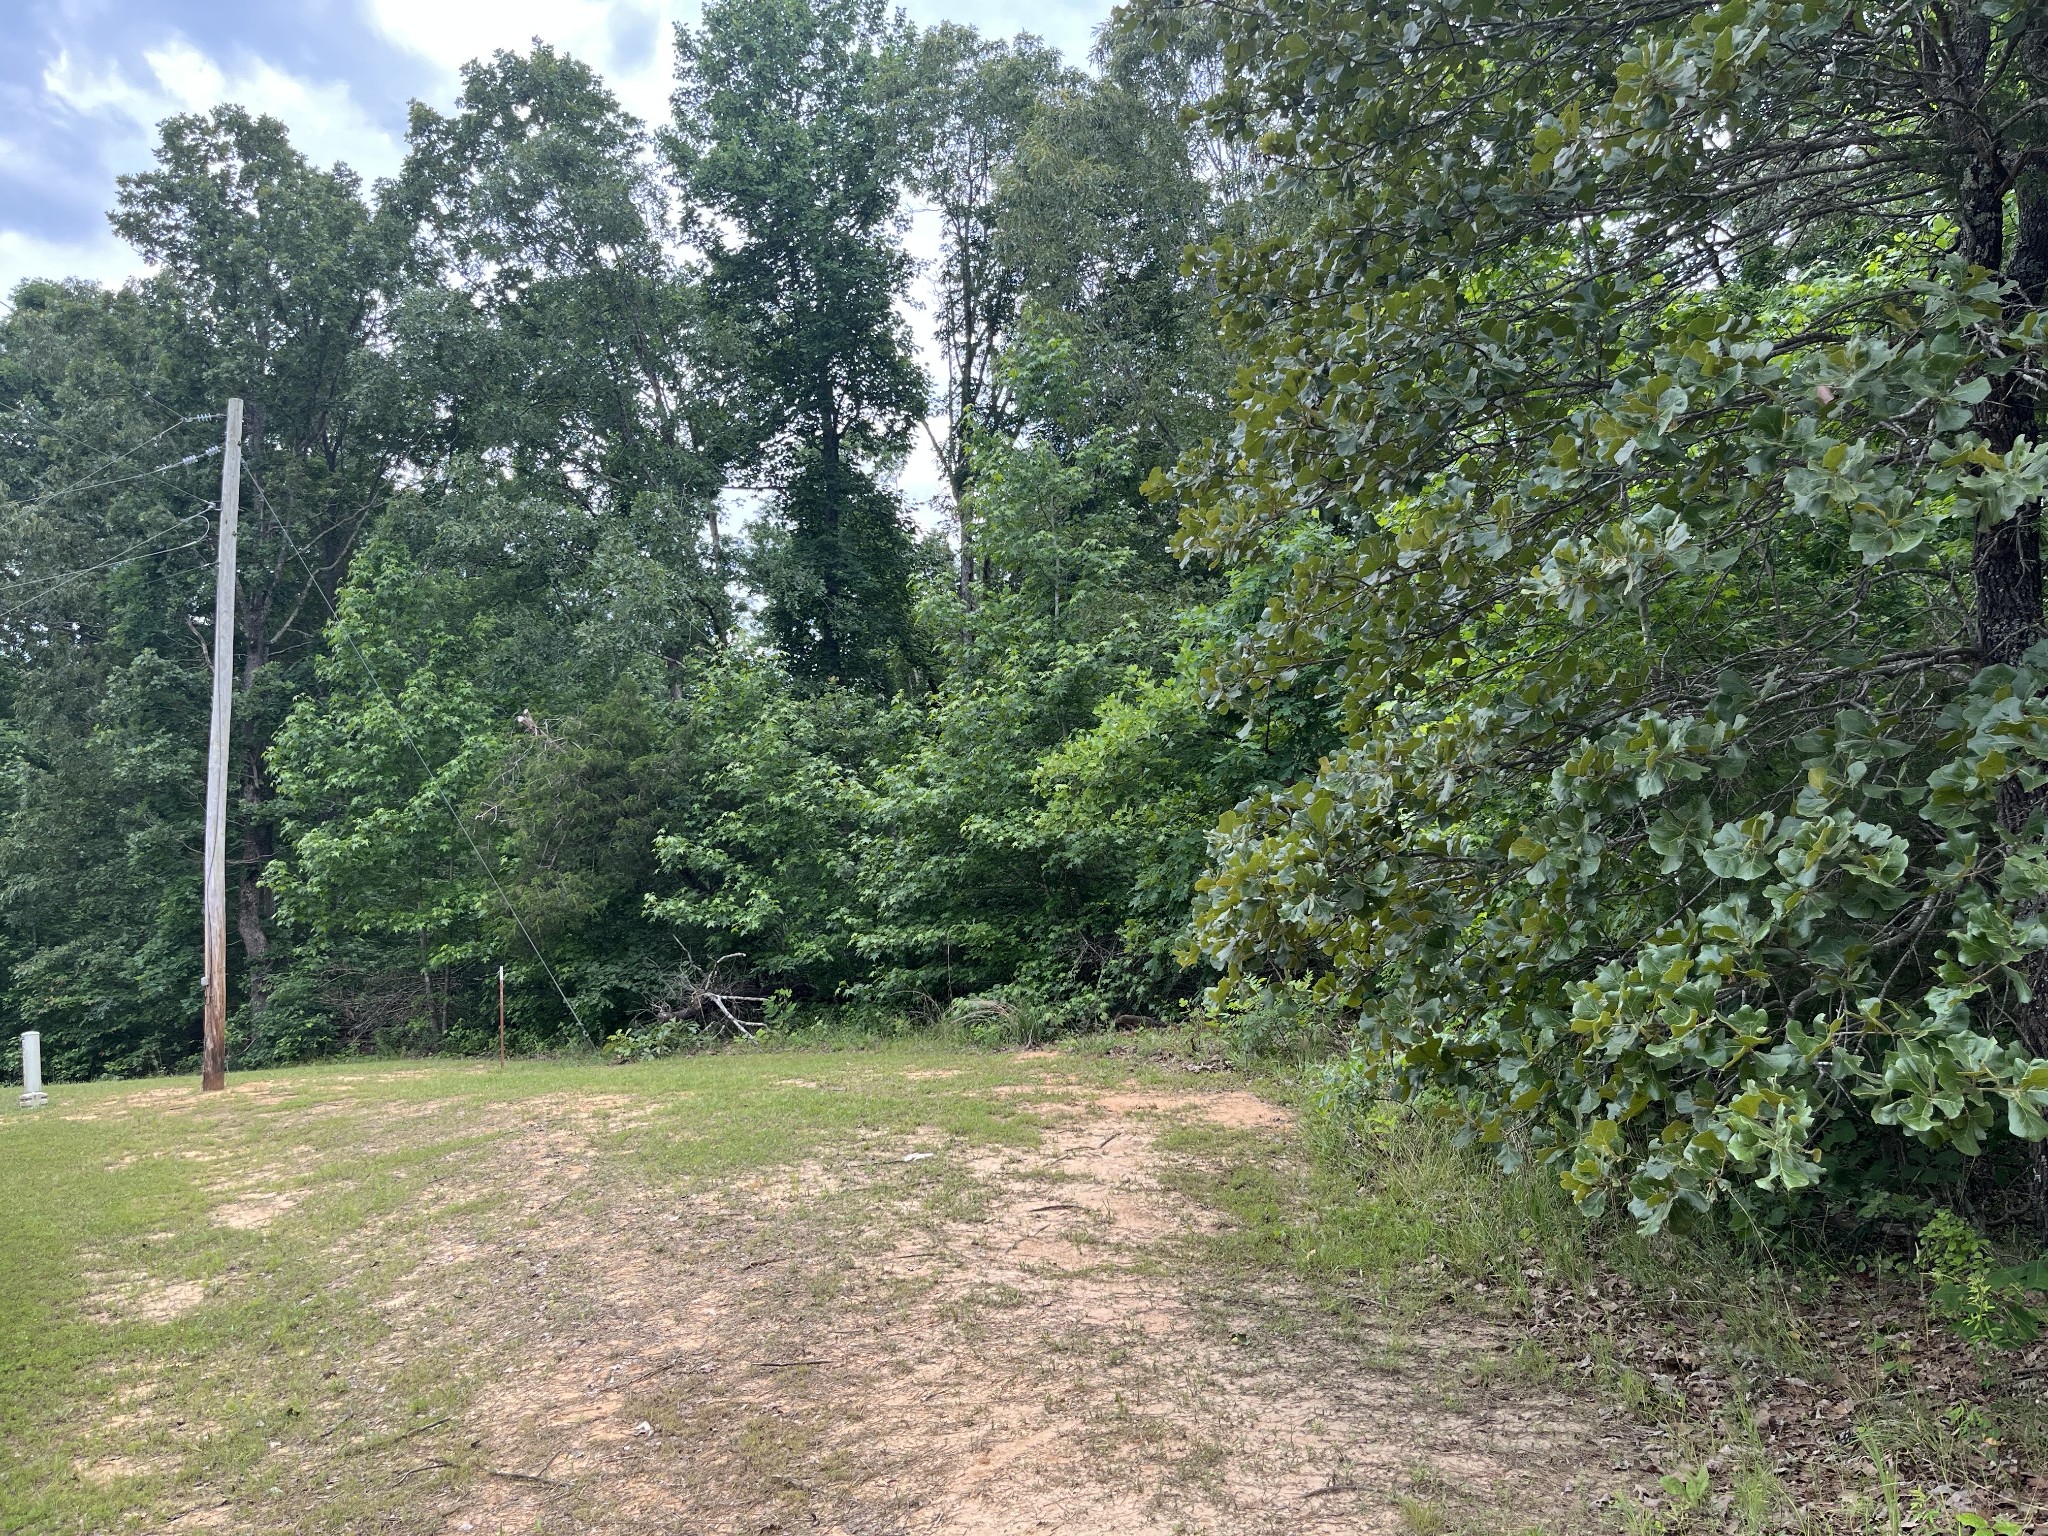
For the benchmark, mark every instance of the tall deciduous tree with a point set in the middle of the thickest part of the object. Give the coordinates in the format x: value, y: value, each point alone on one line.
x: 970, y: 101
x: 549, y: 321
x: 1095, y: 217
x: 275, y: 269
x: 783, y: 141
x: 269, y: 278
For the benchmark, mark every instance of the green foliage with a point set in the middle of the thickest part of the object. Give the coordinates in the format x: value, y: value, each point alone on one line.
x: 1972, y: 1524
x: 1984, y: 1302
x: 516, y: 656
x: 579, y: 624
x: 1094, y: 217
x: 108, y: 971
x: 266, y: 285
x: 272, y: 264
x: 549, y: 327
x: 1037, y: 836
x: 784, y: 142
x: 967, y: 103
x: 1635, y: 487
x: 759, y: 852
x: 1276, y: 1022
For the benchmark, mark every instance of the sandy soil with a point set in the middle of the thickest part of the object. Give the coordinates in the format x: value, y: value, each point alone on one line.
x: 923, y: 1338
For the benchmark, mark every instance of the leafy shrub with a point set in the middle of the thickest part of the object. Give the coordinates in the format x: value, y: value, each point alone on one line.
x: 998, y: 1022
x: 1986, y: 1303
x: 1280, y: 1019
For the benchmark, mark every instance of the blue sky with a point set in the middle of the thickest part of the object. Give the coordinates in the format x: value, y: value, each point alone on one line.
x: 83, y: 83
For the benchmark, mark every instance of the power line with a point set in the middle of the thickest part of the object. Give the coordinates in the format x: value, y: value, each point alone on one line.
x: 94, y: 485
x: 141, y: 474
x: 51, y: 583
x: 441, y: 794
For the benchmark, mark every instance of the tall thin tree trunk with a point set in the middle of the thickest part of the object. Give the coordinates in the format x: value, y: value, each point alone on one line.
x: 253, y: 902
x: 2005, y: 563
x: 719, y: 626
x: 966, y: 554
x: 832, y: 654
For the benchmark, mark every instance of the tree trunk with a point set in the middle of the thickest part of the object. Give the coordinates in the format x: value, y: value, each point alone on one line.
x: 828, y: 574
x: 252, y: 901
x: 966, y: 554
x: 253, y: 904
x: 959, y: 473
x: 719, y: 627
x: 2005, y: 564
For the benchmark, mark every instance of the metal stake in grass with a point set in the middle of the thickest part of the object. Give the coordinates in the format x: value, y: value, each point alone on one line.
x: 501, y: 1015
x: 32, y: 1093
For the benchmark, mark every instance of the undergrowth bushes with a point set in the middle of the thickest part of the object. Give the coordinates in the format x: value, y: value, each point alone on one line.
x: 1779, y: 1372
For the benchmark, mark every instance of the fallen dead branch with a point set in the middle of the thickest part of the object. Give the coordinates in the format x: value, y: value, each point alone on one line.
x: 647, y: 1375
x: 691, y: 994
x: 523, y: 1477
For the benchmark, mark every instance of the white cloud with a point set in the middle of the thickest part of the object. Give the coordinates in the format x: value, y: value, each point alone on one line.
x: 451, y: 33
x: 326, y: 121
x: 636, y: 59
x: 105, y: 259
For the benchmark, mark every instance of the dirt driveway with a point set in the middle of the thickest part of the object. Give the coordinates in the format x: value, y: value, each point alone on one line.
x: 878, y: 1295
x: 915, y: 1336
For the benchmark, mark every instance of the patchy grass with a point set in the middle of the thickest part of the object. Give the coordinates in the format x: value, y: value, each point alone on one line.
x: 911, y: 1287
x: 1740, y: 1390
x: 914, y: 1287
x: 293, y: 1205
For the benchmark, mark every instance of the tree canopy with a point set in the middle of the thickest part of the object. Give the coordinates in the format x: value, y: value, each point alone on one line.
x: 1637, y: 437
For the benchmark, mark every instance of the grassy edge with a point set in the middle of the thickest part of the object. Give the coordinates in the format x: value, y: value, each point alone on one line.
x: 1431, y: 1229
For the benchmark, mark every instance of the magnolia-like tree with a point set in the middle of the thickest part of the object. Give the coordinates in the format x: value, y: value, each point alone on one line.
x: 1638, y: 439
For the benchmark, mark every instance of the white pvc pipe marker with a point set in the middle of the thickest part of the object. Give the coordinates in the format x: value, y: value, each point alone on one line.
x: 32, y: 1071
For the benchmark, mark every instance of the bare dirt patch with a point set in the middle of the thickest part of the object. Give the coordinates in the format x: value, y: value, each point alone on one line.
x: 253, y: 1212
x: 1232, y: 1108
x: 141, y: 1299
x: 984, y: 1342
x: 115, y: 1469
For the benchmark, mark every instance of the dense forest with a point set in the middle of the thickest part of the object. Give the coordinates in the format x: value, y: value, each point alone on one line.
x: 581, y: 625
x: 1505, y: 535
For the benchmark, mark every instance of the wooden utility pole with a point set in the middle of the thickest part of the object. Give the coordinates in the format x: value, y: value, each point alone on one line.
x: 501, y: 1015
x: 213, y: 1071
